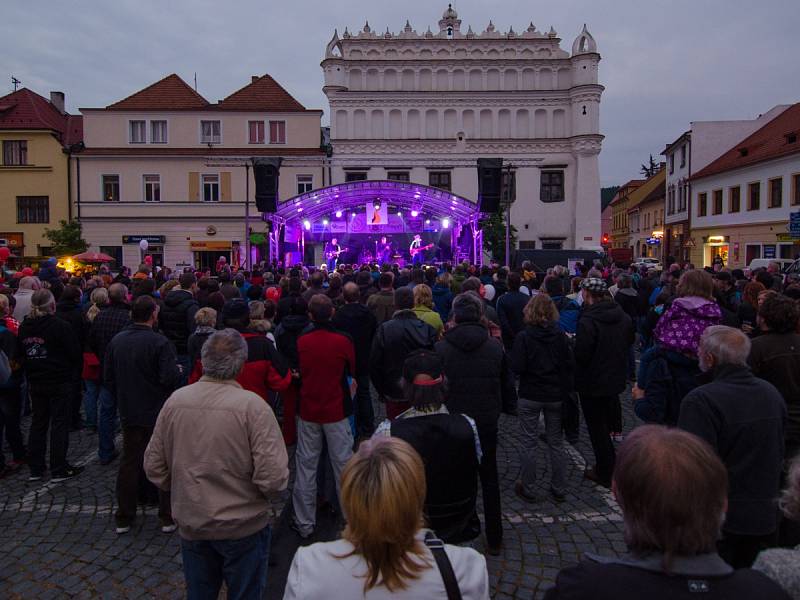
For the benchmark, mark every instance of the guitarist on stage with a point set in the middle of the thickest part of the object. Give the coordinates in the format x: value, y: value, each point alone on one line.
x: 416, y: 251
x: 384, y: 251
x: 332, y: 252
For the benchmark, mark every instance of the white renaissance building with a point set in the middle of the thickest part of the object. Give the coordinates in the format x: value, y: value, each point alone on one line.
x: 423, y: 107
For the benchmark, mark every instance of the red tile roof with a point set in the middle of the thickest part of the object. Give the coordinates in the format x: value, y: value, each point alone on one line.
x: 170, y: 93
x: 263, y: 94
x: 214, y: 151
x: 25, y: 109
x: 767, y: 143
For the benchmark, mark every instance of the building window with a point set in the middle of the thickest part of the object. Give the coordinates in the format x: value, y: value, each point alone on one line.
x: 398, y: 176
x: 115, y: 251
x: 776, y: 192
x: 702, y: 204
x: 504, y: 188
x: 735, y: 199
x: 255, y: 132
x: 158, y: 132
x: 277, y: 132
x: 683, y: 156
x: 111, y: 188
x: 795, y: 189
x: 152, y: 188
x: 671, y: 201
x: 552, y: 186
x: 682, y: 198
x: 552, y: 244
x: 305, y: 183
x: 15, y: 153
x: 717, y: 208
x: 754, y: 196
x: 211, y: 188
x: 137, y: 132
x: 33, y: 209
x: 355, y: 176
x: 751, y: 252
x: 671, y: 163
x: 440, y: 179
x: 210, y: 132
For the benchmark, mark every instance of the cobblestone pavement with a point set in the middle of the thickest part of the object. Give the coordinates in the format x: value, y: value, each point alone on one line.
x: 58, y: 540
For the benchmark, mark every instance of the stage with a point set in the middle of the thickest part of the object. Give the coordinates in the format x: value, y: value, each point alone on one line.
x: 359, y: 214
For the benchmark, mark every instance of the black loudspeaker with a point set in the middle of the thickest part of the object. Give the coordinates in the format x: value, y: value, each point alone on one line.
x: 490, y: 184
x: 265, y: 173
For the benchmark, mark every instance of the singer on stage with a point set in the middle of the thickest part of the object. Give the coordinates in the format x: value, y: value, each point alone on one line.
x: 332, y: 251
x: 384, y: 251
x: 416, y: 251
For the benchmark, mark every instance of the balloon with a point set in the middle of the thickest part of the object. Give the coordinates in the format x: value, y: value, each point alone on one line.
x: 143, y: 245
x: 4, y: 252
x: 148, y: 260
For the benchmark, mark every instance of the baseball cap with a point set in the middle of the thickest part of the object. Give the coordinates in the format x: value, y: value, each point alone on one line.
x: 423, y: 367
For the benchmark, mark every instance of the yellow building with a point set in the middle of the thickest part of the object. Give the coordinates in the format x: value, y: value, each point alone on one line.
x: 646, y: 216
x: 35, y: 135
x: 620, y: 233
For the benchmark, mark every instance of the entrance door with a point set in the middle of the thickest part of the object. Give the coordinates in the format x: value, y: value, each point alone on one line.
x: 207, y: 259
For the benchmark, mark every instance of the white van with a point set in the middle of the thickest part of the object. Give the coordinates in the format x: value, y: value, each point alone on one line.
x: 763, y: 263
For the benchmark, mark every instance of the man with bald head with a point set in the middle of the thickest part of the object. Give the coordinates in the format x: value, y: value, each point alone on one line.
x: 111, y: 319
x: 743, y: 418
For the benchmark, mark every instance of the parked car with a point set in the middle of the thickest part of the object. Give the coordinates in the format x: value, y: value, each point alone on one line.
x: 649, y: 263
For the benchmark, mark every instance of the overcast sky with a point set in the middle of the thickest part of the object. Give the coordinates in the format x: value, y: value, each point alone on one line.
x: 664, y: 63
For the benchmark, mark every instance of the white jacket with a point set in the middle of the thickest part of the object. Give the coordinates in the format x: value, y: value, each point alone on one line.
x: 317, y: 573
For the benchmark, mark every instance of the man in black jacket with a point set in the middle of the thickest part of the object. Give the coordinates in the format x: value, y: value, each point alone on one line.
x: 509, y: 310
x: 68, y: 308
x: 109, y: 322
x: 743, y: 418
x: 176, y: 319
x: 141, y: 371
x: 480, y: 383
x: 393, y: 342
x: 604, y: 335
x: 49, y: 354
x: 358, y: 321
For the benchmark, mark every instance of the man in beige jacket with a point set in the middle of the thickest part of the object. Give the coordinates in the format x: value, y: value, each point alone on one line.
x: 219, y: 450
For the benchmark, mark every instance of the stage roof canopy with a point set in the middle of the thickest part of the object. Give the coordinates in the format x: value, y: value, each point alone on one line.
x: 353, y: 196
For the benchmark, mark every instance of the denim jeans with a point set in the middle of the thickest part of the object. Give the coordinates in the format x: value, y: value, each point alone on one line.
x: 91, y: 396
x: 241, y: 563
x: 529, y: 411
x: 106, y: 424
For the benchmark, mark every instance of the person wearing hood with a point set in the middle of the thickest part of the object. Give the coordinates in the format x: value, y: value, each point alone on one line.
x: 293, y: 324
x: 543, y: 360
x: 27, y: 286
x: 481, y: 386
x: 69, y: 309
x: 394, y: 341
x: 602, y: 340
x: 49, y: 355
x: 359, y: 323
x: 669, y: 370
x: 176, y: 319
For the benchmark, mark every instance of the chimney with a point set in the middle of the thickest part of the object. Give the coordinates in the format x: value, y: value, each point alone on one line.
x: 57, y: 100
x: 254, y: 78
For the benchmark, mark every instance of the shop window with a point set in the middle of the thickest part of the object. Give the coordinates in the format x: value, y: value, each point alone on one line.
x: 702, y: 204
x: 776, y: 192
x: 751, y: 252
x: 734, y: 199
x: 754, y: 196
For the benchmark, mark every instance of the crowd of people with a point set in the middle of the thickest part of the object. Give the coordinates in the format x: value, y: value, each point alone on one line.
x: 210, y: 376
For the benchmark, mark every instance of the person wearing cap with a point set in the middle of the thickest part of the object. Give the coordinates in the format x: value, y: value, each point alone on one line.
x: 448, y: 444
x: 265, y: 370
x: 602, y: 340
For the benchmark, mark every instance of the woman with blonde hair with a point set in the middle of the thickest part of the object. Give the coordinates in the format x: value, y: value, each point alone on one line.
x: 542, y: 357
x: 385, y: 552
x: 91, y: 363
x: 99, y: 299
x: 423, y: 307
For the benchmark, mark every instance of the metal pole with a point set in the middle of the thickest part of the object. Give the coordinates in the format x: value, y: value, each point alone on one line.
x: 508, y: 216
x: 247, y: 216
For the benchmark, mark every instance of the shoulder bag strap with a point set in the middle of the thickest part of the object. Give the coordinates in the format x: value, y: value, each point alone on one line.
x: 436, y: 546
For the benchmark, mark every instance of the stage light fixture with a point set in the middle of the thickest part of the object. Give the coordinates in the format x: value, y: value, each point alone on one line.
x: 427, y: 221
x: 399, y: 213
x: 300, y: 210
x: 307, y: 224
x: 325, y: 222
x: 352, y: 214
x: 414, y: 213
x: 338, y: 214
x: 445, y: 223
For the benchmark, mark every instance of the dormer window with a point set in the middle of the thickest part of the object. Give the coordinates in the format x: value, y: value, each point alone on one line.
x: 791, y: 138
x: 742, y: 152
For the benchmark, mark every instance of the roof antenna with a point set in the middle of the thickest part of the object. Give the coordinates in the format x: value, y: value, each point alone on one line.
x: 16, y: 82
x: 195, y: 81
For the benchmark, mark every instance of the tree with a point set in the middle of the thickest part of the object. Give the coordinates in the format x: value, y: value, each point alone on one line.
x: 67, y: 239
x: 650, y: 169
x: 494, y: 235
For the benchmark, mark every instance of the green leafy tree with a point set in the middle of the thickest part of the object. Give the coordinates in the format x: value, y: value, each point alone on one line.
x: 651, y: 168
x: 494, y: 235
x: 67, y: 238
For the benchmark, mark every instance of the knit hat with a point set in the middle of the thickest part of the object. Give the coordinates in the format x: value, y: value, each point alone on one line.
x: 237, y: 308
x: 594, y: 284
x: 423, y: 362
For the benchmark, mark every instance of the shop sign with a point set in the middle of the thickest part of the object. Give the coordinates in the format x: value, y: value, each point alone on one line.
x: 151, y: 239
x: 794, y: 224
x: 206, y: 245
x: 769, y: 251
x: 12, y: 240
